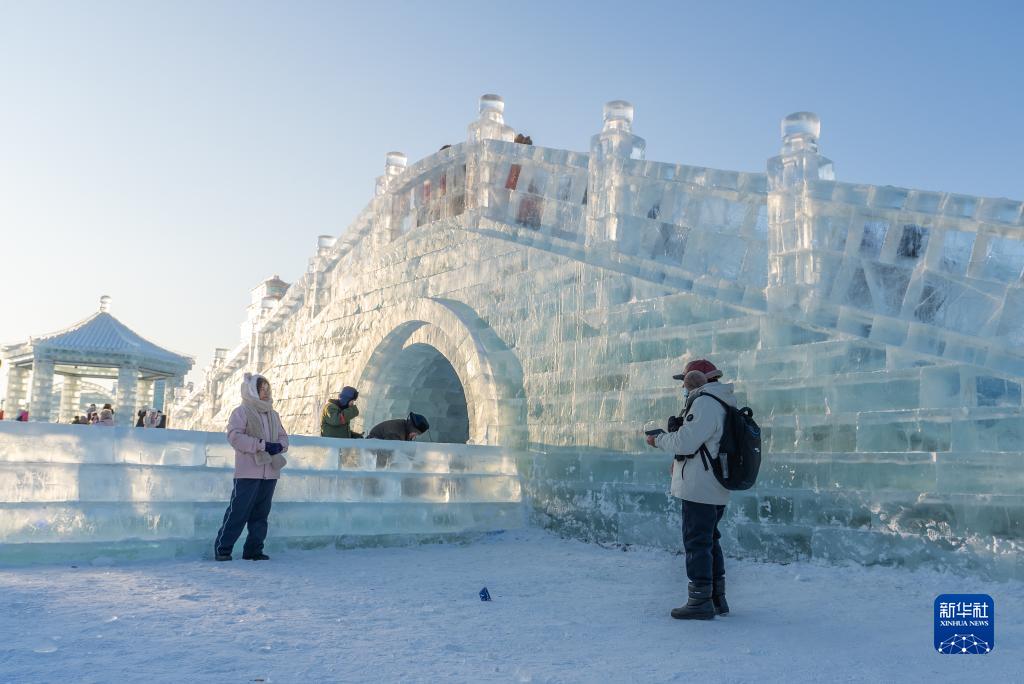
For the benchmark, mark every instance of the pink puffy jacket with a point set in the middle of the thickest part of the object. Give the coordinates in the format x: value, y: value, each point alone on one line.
x: 246, y: 448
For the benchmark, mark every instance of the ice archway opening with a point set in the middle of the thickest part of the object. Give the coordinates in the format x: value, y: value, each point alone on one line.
x: 420, y: 378
x: 438, y: 358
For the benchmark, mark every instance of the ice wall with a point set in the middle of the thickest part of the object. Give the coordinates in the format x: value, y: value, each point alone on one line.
x: 849, y: 474
x: 77, y: 491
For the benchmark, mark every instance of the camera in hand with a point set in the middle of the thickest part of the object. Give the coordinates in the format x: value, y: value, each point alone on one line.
x: 651, y: 429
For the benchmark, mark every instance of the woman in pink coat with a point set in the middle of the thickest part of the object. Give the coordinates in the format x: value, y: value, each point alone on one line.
x: 259, y: 439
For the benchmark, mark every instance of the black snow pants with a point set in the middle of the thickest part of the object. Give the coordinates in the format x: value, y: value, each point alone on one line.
x: 250, y: 505
x: 704, y: 559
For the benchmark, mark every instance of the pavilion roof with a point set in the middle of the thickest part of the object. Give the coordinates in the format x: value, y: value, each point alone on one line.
x: 101, y: 334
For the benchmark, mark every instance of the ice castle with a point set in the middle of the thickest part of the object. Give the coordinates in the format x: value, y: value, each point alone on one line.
x: 539, y: 300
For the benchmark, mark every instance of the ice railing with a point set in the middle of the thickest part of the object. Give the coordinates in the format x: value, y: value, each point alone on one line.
x: 433, y: 189
x: 80, y: 484
x: 696, y: 228
x: 692, y: 227
x: 933, y: 272
x: 539, y: 188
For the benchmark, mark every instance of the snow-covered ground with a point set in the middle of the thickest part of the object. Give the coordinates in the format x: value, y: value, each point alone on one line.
x: 562, y: 611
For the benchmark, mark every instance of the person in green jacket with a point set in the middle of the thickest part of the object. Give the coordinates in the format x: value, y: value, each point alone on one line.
x: 336, y: 418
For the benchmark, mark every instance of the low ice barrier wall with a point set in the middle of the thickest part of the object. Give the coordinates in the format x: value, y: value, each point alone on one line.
x: 69, y: 491
x: 77, y: 493
x: 961, y: 511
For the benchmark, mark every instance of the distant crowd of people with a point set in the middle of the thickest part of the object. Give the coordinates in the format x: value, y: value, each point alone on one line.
x: 93, y: 416
x: 103, y: 417
x: 146, y: 417
x: 151, y: 418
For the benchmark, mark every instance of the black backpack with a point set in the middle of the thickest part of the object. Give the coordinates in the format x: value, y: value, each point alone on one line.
x: 739, y: 451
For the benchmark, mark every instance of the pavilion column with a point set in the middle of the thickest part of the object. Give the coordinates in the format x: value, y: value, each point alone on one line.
x: 70, y: 398
x: 127, y: 384
x: 42, y: 391
x: 17, y: 391
x: 170, y: 385
x: 143, y: 396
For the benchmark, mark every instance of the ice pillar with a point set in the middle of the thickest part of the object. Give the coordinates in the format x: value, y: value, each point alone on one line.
x: 799, y: 161
x: 17, y: 391
x: 797, y: 267
x: 42, y: 391
x: 609, y: 149
x: 318, y: 292
x: 489, y: 126
x: 215, y: 375
x: 491, y: 123
x: 257, y: 338
x: 391, y: 207
x: 143, y: 396
x: 171, y: 387
x: 70, y: 398
x: 394, y: 165
x: 127, y: 386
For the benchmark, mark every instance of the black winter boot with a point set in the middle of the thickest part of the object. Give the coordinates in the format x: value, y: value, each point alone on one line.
x: 256, y: 556
x: 718, y: 597
x: 699, y: 607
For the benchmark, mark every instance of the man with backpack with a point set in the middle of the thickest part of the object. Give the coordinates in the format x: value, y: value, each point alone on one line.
x: 694, y: 438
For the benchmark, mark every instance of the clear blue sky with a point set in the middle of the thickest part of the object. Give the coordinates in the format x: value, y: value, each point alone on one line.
x: 173, y: 154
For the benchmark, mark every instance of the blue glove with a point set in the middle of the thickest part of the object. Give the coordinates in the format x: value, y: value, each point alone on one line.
x: 273, y: 448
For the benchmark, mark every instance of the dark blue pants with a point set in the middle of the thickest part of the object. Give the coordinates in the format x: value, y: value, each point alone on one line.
x: 250, y: 505
x: 704, y: 559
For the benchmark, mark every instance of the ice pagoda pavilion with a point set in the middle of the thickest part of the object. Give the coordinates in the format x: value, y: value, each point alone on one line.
x: 98, y: 347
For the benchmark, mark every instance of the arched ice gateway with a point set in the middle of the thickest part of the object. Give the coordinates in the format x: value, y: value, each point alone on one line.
x: 438, y: 358
x: 877, y: 331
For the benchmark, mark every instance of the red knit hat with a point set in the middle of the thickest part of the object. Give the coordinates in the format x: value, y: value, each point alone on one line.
x: 702, y: 365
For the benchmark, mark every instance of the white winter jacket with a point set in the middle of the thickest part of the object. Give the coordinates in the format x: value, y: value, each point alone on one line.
x: 702, y: 425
